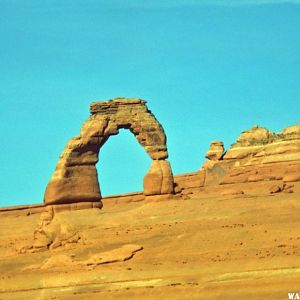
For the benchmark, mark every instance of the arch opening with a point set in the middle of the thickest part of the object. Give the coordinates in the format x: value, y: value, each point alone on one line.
x: 122, y: 164
x: 75, y: 179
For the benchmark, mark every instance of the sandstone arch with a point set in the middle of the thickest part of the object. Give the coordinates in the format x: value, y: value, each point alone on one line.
x: 75, y: 178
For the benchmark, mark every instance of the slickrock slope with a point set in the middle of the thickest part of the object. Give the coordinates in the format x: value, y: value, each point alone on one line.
x: 202, y: 245
x: 231, y: 231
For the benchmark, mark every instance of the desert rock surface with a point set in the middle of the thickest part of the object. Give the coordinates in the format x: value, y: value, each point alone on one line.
x: 75, y: 178
x: 230, y: 231
x: 201, y: 245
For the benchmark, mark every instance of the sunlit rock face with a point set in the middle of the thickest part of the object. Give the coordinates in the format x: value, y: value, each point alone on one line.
x: 262, y: 155
x: 215, y: 151
x: 75, y: 178
x: 258, y: 155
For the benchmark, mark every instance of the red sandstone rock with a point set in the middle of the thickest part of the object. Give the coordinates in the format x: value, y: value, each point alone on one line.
x: 258, y: 155
x: 75, y: 178
x: 290, y: 132
x: 275, y: 189
x: 215, y: 151
x: 190, y: 180
x: 159, y: 179
x: 255, y: 136
x: 282, y: 187
x: 291, y: 177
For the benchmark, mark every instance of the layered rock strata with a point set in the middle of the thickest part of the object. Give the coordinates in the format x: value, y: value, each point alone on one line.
x: 257, y: 155
x: 215, y: 151
x: 75, y: 178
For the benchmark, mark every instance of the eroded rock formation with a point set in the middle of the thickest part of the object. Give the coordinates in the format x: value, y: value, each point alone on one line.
x: 75, y: 178
x: 260, y: 155
x: 257, y: 155
x: 215, y: 151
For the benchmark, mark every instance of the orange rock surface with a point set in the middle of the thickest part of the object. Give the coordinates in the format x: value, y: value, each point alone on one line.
x: 230, y: 231
x: 207, y: 243
x: 75, y: 178
x: 258, y: 155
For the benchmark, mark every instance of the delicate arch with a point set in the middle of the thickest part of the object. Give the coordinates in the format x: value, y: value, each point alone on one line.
x: 75, y: 177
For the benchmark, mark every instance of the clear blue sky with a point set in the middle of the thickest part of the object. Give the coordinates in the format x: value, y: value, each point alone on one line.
x: 208, y: 69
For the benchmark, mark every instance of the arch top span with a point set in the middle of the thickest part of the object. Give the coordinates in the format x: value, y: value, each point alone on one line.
x: 132, y: 114
x: 75, y: 178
